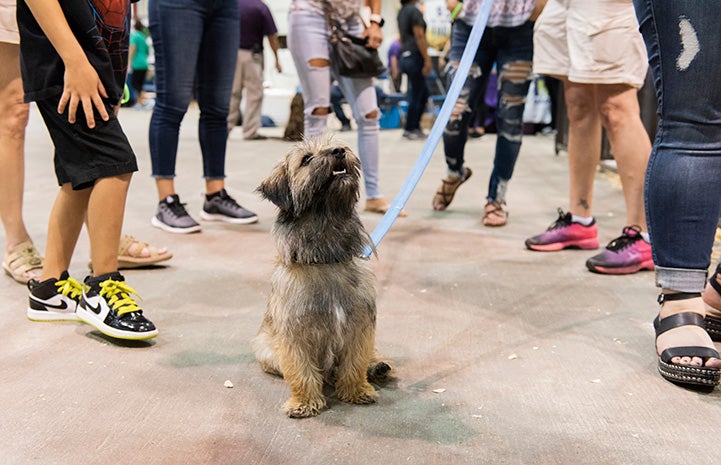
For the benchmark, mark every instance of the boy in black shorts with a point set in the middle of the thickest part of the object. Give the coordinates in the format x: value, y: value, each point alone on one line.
x: 74, y: 58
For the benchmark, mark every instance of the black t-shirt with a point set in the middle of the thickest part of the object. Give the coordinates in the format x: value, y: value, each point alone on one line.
x: 408, y: 17
x: 101, y: 27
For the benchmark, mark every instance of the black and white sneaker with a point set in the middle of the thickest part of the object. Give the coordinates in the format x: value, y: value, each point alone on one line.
x: 107, y: 305
x: 222, y: 207
x: 54, y: 299
x: 173, y: 217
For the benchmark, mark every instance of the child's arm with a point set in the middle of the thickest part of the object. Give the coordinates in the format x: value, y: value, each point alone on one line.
x: 82, y: 85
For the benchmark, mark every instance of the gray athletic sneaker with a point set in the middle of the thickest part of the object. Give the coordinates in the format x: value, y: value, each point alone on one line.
x: 173, y: 217
x: 222, y: 207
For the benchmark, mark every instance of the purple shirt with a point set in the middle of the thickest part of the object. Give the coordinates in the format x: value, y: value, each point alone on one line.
x: 256, y: 22
x: 394, y: 50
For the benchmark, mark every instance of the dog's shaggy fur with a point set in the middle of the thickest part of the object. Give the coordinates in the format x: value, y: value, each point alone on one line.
x: 320, y: 322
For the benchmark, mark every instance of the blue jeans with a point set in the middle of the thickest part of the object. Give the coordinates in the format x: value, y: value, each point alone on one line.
x: 511, y: 49
x: 683, y: 179
x: 412, y: 65
x: 196, y: 45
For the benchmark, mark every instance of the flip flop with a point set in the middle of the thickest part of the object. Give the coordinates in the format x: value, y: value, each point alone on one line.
x: 445, y: 193
x: 685, y: 374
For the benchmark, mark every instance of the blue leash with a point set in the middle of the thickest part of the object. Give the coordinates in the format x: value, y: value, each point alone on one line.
x: 434, y: 137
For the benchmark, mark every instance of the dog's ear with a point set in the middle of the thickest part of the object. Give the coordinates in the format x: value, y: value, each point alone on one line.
x: 276, y: 188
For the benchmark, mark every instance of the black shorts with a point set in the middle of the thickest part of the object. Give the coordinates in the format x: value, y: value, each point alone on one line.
x: 137, y: 79
x: 84, y: 155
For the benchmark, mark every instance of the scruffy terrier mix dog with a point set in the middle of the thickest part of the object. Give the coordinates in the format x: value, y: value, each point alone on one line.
x: 320, y: 322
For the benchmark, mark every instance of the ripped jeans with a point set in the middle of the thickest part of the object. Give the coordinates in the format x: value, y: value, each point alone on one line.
x: 683, y: 179
x: 511, y: 49
x: 308, y: 39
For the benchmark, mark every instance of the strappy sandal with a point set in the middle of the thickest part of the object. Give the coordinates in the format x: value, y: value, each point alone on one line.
x: 130, y: 254
x: 685, y: 374
x: 445, y: 193
x: 713, y: 323
x: 23, y: 262
x: 494, y: 215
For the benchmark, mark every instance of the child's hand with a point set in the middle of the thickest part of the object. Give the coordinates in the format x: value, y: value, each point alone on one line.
x: 83, y: 87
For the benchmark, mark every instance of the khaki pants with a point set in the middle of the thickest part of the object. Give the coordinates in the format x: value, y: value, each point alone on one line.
x: 248, y: 77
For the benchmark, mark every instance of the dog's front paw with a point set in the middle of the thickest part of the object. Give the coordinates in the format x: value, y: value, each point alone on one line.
x: 364, y: 394
x: 379, y: 372
x: 297, y: 409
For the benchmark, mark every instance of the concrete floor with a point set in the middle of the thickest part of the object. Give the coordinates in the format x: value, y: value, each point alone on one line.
x: 503, y: 356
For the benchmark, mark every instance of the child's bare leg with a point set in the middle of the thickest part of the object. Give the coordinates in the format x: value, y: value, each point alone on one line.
x: 66, y: 221
x: 106, y: 208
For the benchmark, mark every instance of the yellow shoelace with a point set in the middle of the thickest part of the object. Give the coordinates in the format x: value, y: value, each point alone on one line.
x: 70, y: 288
x: 119, y: 296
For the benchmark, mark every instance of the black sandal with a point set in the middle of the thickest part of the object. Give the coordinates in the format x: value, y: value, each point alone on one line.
x: 685, y: 374
x: 713, y: 323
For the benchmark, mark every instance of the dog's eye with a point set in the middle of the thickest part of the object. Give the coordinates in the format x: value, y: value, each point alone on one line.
x: 306, y: 159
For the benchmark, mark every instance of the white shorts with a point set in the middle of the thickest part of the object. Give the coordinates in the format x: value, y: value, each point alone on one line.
x: 590, y: 42
x: 8, y: 23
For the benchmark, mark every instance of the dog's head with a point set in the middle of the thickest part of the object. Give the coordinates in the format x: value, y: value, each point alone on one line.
x: 317, y: 174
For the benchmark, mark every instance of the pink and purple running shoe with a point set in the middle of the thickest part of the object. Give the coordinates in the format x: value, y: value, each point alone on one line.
x: 626, y: 254
x: 564, y: 233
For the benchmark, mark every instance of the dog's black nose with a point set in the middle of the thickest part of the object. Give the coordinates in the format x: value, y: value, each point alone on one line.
x: 338, y: 152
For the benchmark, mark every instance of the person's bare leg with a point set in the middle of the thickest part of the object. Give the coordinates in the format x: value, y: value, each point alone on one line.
x: 13, y: 120
x: 630, y: 144
x: 165, y: 186
x: 214, y: 185
x: 106, y: 208
x: 66, y: 221
x: 584, y: 145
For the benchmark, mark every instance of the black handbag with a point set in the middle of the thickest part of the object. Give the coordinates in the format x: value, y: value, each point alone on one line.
x: 349, y: 55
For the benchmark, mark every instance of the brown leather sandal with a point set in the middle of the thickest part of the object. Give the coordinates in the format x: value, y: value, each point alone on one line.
x: 494, y: 215
x: 445, y: 193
